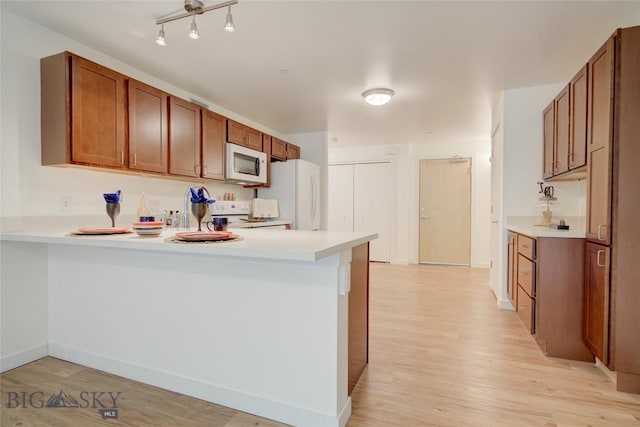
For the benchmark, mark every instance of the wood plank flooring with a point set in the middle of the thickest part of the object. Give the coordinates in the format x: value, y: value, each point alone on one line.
x: 441, y: 354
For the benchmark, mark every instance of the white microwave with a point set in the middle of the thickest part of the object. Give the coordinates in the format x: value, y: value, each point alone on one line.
x: 246, y: 166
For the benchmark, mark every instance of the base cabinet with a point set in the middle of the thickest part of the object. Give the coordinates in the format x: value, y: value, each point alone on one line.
x: 549, y: 293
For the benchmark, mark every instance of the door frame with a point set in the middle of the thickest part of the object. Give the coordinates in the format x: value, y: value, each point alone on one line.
x: 414, y: 205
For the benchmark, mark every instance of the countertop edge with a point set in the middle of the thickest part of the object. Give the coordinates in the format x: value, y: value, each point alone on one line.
x: 132, y: 242
x: 542, y: 231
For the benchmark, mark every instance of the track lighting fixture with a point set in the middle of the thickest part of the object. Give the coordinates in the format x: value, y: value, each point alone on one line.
x: 161, y: 40
x: 194, y: 34
x: 228, y: 24
x: 193, y: 8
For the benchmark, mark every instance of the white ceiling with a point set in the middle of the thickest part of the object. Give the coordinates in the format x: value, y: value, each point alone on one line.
x: 446, y: 60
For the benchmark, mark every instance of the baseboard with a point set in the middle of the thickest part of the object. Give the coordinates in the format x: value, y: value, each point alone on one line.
x: 20, y: 358
x: 605, y: 370
x: 256, y: 405
x: 505, y: 304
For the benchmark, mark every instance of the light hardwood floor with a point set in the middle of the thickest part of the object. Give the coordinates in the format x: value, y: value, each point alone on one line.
x: 441, y: 354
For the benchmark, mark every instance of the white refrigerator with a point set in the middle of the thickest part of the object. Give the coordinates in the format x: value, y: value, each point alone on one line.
x: 296, y: 186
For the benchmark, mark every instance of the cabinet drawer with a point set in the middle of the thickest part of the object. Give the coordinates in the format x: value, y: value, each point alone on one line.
x: 526, y: 275
x: 527, y: 246
x: 526, y: 309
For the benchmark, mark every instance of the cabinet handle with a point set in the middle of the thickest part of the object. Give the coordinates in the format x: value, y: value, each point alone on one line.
x: 525, y: 246
x: 196, y: 169
x: 122, y: 157
x: 205, y: 171
x: 524, y: 273
x: 135, y: 159
x: 523, y: 307
x: 600, y: 231
x: 598, y: 258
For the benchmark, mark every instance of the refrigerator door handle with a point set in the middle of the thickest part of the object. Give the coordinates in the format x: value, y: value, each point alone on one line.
x: 313, y: 198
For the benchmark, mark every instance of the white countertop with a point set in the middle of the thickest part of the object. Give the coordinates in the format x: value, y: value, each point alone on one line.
x: 291, y: 245
x: 526, y: 226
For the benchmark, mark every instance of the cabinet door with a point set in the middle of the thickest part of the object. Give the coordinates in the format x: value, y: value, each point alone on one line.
x: 578, y: 97
x: 184, y: 138
x: 596, y: 300
x: 278, y: 149
x: 526, y: 309
x: 266, y: 148
x: 148, y: 134
x: 213, y: 145
x: 236, y: 132
x: 561, y: 163
x: 254, y: 139
x: 293, y: 152
x: 599, y: 137
x: 511, y: 270
x: 548, y: 137
x: 98, y: 114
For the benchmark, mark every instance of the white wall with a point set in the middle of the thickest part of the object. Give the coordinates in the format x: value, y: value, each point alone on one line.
x: 32, y: 190
x: 405, y: 160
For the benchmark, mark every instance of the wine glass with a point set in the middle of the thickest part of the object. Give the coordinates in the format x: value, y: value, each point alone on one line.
x: 199, y: 210
x: 113, y: 209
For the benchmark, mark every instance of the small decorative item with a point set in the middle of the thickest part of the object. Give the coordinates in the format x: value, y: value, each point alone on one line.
x: 547, y: 198
x: 200, y: 204
x: 113, y: 205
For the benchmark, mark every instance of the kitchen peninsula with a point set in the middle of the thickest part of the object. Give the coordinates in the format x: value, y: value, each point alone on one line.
x: 259, y: 324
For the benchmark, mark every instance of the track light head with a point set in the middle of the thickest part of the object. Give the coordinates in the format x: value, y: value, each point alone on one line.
x: 228, y: 24
x: 194, y: 33
x: 161, y: 40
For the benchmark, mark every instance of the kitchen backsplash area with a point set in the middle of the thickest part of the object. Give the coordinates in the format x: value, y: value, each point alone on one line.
x: 73, y: 197
x: 570, y: 205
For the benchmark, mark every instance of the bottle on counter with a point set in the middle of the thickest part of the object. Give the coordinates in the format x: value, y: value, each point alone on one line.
x: 175, y: 219
x: 169, y: 219
x: 143, y: 209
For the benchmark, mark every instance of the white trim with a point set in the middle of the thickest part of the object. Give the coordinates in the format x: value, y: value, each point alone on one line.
x: 227, y: 397
x: 23, y: 357
x: 505, y: 304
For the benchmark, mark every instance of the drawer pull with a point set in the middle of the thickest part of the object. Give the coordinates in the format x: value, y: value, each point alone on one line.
x: 524, y: 273
x: 523, y: 307
x: 598, y: 263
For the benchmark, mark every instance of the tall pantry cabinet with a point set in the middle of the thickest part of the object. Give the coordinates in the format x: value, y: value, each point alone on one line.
x: 612, y: 281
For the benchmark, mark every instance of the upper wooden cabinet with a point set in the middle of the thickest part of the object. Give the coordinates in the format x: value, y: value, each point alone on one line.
x: 599, y: 138
x: 561, y: 163
x: 184, y: 138
x: 237, y: 133
x: 214, y: 136
x: 83, y: 108
x: 548, y: 122
x: 148, y: 128
x: 293, y: 152
x: 278, y: 149
x: 578, y: 111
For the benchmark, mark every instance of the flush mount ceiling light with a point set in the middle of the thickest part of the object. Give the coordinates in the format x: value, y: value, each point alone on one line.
x: 193, y: 8
x: 378, y: 96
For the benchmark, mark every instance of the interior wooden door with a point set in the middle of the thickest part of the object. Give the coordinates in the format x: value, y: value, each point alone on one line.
x: 340, y: 197
x: 445, y: 211
x: 371, y: 206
